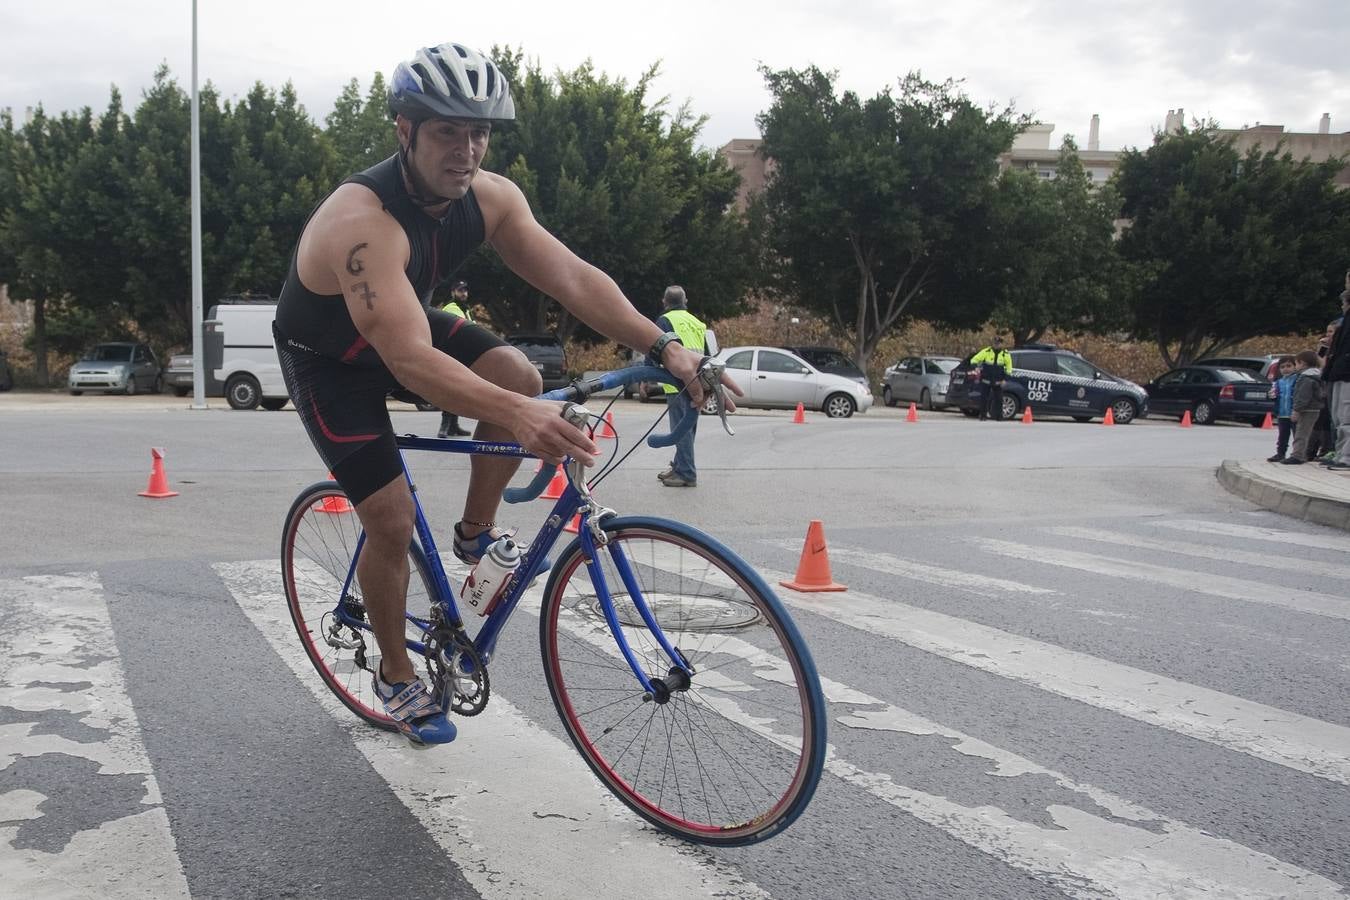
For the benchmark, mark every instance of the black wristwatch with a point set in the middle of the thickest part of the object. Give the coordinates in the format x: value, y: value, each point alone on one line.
x: 660, y: 346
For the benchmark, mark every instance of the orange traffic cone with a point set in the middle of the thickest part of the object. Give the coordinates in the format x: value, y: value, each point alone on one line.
x: 573, y: 526
x: 1186, y: 419
x: 813, y: 571
x: 555, y: 485
x: 913, y: 414
x: 158, y: 487
x: 799, y: 417
x: 334, y: 505
x: 1267, y: 423
x: 1109, y: 418
x: 608, y: 431
x: 1026, y: 415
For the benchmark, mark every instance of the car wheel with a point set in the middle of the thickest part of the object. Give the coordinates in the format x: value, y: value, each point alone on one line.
x: 1083, y: 418
x: 887, y: 397
x: 242, y: 392
x: 182, y: 391
x: 1010, y: 407
x: 158, y: 386
x: 1123, y: 410
x: 272, y: 404
x: 926, y: 400
x: 839, y: 406
x: 1203, y: 414
x: 709, y: 407
x: 1257, y: 423
x: 75, y: 393
x: 131, y: 386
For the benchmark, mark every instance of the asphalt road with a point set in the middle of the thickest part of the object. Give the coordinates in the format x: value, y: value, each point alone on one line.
x: 1067, y: 663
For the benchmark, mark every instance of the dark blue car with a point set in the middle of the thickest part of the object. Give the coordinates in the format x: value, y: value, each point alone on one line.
x: 1211, y: 394
x: 1052, y: 382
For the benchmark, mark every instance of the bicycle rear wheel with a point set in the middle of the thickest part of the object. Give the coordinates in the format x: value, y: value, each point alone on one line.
x: 735, y: 757
x: 317, y: 546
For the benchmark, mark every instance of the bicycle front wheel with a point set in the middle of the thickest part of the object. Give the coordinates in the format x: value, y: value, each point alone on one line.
x: 318, y: 545
x: 732, y: 757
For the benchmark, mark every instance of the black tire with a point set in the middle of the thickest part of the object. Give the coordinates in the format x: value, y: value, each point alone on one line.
x: 1010, y: 408
x: 131, y: 386
x: 926, y: 400
x: 838, y: 406
x: 1124, y: 410
x: 1203, y: 413
x: 180, y: 391
x: 756, y: 767
x: 887, y: 397
x: 158, y: 386
x: 243, y: 392
x: 317, y: 544
x: 272, y: 404
x: 1257, y: 423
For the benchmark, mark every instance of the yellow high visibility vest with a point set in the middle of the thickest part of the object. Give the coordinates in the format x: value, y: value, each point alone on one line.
x: 691, y: 331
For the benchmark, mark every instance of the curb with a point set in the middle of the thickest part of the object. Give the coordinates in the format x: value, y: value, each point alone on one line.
x: 1320, y: 510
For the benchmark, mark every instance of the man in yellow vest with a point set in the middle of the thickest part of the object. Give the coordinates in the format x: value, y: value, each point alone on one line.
x: 459, y: 306
x: 692, y: 333
x: 995, y: 364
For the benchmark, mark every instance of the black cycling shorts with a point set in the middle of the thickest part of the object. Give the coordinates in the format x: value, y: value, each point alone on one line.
x: 343, y: 406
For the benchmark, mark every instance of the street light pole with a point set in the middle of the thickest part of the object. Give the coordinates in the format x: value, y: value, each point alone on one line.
x: 198, y: 366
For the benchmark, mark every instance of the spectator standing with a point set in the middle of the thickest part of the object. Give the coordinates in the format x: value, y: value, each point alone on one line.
x: 1322, y: 447
x: 458, y: 306
x: 1307, y: 405
x: 995, y: 363
x: 1283, y: 392
x: 693, y: 334
x: 1336, y: 374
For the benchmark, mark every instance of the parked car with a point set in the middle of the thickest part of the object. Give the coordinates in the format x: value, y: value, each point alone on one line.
x: 773, y: 378
x: 919, y: 379
x: 178, y: 374
x: 828, y: 359
x: 1268, y: 366
x: 121, y: 366
x: 6, y: 373
x: 547, y: 354
x: 1054, y: 382
x: 1212, y: 393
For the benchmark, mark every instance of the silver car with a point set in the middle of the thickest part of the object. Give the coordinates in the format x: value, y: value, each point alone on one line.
x: 773, y: 378
x: 919, y: 379
x: 122, y: 367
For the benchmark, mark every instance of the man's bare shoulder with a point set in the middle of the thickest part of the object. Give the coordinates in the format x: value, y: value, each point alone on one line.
x: 351, y: 216
x: 499, y: 199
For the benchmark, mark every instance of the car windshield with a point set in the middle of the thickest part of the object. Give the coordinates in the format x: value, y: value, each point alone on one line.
x: 944, y: 365
x: 109, y: 353
x: 830, y: 361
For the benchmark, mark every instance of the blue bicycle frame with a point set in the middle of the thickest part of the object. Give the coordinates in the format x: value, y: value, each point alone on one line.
x: 574, y: 501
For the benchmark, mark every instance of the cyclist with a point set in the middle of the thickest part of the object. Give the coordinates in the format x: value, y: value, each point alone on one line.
x: 353, y: 323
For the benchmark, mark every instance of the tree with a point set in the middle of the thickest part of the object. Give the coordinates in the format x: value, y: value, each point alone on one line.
x: 361, y: 132
x: 1050, y: 252
x: 877, y: 207
x: 621, y: 184
x: 1233, y: 245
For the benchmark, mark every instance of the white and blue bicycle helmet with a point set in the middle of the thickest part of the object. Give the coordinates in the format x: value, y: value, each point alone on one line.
x: 450, y: 81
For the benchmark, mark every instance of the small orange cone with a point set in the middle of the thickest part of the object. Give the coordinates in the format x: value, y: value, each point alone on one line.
x: 1026, y: 415
x: 1109, y: 418
x: 799, y: 417
x: 608, y: 431
x: 334, y: 505
x: 813, y: 571
x: 573, y: 526
x: 555, y: 485
x: 158, y: 487
x: 1186, y: 419
x: 1267, y: 423
x: 913, y: 414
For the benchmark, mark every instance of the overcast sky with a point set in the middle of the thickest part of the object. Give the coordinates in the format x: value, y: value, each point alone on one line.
x: 1130, y: 61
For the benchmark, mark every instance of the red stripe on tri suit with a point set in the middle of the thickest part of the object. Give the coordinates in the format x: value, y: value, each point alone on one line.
x: 357, y: 346
x: 456, y: 327
x: 328, y: 432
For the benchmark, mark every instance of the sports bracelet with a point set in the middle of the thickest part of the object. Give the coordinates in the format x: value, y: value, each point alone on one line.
x: 660, y: 346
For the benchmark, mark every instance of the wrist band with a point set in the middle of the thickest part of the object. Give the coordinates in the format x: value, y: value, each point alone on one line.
x: 660, y: 346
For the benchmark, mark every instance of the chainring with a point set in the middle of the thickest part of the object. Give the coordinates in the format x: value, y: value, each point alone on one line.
x: 457, y: 670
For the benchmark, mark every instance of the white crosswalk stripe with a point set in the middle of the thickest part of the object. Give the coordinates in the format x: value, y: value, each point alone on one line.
x: 1258, y: 533
x: 1313, y: 602
x: 1273, y: 559
x: 917, y: 571
x: 58, y: 664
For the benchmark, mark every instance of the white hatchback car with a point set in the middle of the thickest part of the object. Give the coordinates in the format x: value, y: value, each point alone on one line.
x: 773, y: 378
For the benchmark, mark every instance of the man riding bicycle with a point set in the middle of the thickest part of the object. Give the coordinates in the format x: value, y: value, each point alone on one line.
x: 353, y: 323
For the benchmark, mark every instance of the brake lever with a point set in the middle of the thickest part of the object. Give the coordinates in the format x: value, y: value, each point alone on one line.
x: 710, y: 375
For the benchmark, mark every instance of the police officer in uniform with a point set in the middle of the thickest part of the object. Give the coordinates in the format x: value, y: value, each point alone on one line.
x: 692, y: 334
x: 995, y: 363
x: 458, y: 306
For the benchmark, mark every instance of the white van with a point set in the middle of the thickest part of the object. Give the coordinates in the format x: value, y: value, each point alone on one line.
x: 240, y: 356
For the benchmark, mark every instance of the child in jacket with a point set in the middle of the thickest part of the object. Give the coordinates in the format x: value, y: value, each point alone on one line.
x: 1283, y: 392
x: 1307, y: 406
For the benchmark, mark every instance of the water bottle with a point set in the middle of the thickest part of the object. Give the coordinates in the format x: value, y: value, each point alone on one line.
x: 484, y: 585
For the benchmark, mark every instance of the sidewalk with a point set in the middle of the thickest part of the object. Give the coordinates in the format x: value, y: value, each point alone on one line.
x: 1310, y: 492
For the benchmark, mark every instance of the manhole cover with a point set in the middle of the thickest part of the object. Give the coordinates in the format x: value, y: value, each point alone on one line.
x: 682, y: 613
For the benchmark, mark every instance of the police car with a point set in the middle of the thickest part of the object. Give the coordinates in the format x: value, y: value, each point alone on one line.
x: 1053, y: 382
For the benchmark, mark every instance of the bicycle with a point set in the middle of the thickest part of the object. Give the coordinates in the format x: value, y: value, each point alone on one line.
x: 677, y: 674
